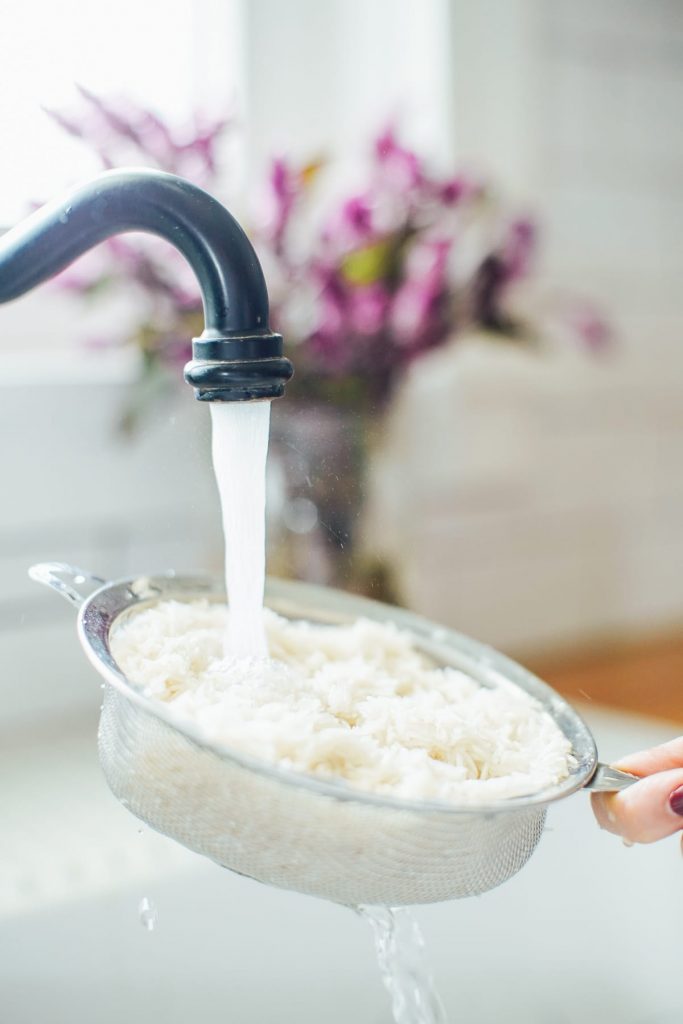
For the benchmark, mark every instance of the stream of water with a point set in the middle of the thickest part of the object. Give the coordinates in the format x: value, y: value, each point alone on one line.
x: 239, y: 447
x: 407, y: 976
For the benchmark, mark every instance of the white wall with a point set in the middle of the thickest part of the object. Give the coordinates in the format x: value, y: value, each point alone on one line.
x: 73, y: 491
x: 324, y: 77
x: 556, y: 514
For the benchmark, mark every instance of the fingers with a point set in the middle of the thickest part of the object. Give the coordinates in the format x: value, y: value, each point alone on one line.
x: 656, y: 759
x: 645, y: 811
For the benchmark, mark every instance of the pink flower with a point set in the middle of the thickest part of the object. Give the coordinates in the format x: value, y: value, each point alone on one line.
x: 416, y: 315
x: 284, y: 183
x: 368, y: 308
x: 518, y: 249
x: 400, y: 167
x: 356, y: 217
x: 452, y: 191
x: 330, y: 334
x: 592, y: 329
x: 122, y: 132
x: 351, y: 225
x: 363, y: 290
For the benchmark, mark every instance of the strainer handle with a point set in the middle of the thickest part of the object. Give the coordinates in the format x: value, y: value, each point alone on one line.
x: 74, y: 585
x: 606, y: 779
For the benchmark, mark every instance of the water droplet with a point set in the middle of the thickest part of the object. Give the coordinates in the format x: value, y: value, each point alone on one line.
x: 147, y: 913
x: 300, y: 515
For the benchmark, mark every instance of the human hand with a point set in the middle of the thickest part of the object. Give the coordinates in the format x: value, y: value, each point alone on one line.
x: 652, y: 808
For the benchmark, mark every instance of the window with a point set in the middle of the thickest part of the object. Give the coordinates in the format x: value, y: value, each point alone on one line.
x: 170, y: 54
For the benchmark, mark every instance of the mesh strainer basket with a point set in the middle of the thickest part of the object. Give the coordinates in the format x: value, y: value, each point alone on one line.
x: 295, y: 831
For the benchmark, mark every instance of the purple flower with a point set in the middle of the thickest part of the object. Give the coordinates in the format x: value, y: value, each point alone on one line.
x: 363, y: 289
x: 117, y: 123
x: 451, y: 191
x: 518, y: 249
x: 202, y: 147
x: 591, y: 328
x: 356, y: 218
x: 122, y: 132
x: 417, y: 311
x: 368, y: 308
x: 283, y: 184
x: 400, y: 167
x: 349, y: 227
x: 330, y: 334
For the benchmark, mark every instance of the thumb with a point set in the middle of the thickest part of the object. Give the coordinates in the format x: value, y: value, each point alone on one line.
x: 648, y: 810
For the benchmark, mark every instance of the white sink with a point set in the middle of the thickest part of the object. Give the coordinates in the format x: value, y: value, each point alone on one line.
x: 588, y: 932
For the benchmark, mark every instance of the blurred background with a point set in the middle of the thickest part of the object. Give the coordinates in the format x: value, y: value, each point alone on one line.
x: 469, y: 214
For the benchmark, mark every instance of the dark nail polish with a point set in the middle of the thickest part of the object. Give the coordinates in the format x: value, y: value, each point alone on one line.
x: 676, y: 801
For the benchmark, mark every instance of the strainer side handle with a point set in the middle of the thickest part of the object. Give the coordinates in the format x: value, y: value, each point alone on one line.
x: 606, y: 779
x: 73, y: 584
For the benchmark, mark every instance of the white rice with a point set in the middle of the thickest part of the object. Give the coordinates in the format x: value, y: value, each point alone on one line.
x: 358, y: 703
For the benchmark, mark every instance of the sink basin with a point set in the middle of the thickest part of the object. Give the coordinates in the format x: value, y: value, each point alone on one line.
x: 589, y: 932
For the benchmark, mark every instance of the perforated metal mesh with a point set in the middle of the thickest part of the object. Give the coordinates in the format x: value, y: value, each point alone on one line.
x: 298, y: 833
x: 296, y: 838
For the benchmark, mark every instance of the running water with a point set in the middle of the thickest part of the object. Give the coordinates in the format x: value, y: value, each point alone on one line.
x: 239, y: 447
x: 400, y: 949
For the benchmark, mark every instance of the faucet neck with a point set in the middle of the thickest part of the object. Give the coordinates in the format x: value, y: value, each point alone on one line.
x: 227, y: 268
x: 233, y: 287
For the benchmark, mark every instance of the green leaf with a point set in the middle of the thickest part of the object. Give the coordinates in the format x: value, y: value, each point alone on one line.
x: 369, y: 264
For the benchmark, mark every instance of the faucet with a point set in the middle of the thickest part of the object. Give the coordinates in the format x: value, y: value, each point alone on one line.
x: 237, y: 357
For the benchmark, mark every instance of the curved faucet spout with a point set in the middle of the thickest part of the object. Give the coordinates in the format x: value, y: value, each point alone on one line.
x: 237, y: 357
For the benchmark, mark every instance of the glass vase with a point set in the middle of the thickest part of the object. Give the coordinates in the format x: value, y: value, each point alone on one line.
x: 318, y: 463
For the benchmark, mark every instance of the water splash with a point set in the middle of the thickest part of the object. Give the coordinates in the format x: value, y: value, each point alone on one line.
x: 147, y: 913
x: 407, y: 977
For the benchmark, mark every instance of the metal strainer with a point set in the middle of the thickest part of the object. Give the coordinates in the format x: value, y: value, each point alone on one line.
x: 292, y: 830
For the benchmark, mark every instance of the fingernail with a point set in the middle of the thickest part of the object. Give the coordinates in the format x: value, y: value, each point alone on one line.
x: 676, y: 801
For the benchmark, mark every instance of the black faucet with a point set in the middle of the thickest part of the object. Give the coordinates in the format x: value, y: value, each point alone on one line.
x: 237, y: 357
